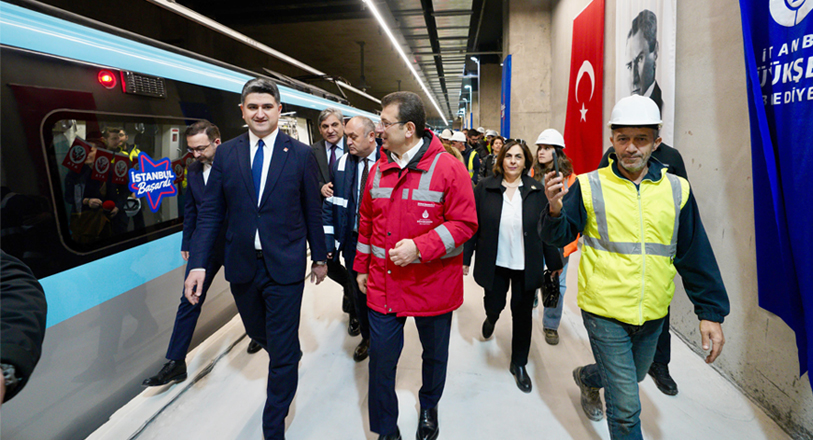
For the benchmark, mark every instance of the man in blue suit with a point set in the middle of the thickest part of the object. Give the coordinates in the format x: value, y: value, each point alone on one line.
x: 340, y: 214
x: 202, y: 140
x: 264, y: 187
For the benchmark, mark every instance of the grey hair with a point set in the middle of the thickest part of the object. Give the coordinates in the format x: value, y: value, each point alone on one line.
x: 330, y: 111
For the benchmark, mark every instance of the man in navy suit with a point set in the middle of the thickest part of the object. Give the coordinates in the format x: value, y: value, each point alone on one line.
x: 202, y: 140
x: 340, y: 213
x: 264, y: 187
x: 328, y: 151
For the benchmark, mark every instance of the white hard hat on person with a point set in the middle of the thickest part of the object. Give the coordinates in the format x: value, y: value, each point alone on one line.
x: 551, y: 137
x: 458, y: 136
x: 635, y: 110
x: 446, y: 134
x: 481, y: 130
x: 491, y: 133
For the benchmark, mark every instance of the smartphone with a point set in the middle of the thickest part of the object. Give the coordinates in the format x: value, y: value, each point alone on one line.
x: 555, y: 163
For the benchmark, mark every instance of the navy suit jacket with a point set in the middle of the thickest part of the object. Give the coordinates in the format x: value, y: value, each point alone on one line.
x: 289, y: 212
x: 195, y: 187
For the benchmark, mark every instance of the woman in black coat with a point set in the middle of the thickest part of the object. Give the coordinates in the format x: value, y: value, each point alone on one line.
x: 509, y: 249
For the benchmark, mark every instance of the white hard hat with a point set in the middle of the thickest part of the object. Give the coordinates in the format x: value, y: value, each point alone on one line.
x: 481, y: 130
x: 458, y: 136
x: 491, y: 133
x: 551, y: 137
x: 635, y: 110
x: 446, y: 134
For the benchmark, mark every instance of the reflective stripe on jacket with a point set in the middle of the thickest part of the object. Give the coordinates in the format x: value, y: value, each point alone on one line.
x: 630, y: 241
x: 431, y: 202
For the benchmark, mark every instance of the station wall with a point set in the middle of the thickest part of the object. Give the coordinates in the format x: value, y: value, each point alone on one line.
x: 712, y: 134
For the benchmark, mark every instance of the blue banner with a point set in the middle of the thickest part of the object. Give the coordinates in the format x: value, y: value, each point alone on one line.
x: 778, y: 40
x: 505, y: 100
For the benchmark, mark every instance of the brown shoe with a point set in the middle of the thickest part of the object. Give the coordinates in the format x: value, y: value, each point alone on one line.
x: 551, y: 336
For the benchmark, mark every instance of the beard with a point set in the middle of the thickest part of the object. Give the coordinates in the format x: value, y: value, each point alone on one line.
x: 633, y: 168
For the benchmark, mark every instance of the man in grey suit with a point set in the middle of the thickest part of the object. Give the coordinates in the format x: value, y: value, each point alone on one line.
x: 328, y: 151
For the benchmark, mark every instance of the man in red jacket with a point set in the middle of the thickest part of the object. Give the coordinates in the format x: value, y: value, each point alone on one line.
x: 416, y: 213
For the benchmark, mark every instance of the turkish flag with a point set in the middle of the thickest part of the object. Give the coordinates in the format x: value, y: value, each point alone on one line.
x: 584, y: 120
x: 102, y: 164
x: 77, y: 155
x: 120, y: 167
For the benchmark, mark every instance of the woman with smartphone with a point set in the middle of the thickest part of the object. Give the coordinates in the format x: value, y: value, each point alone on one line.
x: 550, y: 156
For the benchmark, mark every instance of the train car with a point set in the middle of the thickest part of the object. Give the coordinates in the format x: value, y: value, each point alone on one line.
x: 112, y: 284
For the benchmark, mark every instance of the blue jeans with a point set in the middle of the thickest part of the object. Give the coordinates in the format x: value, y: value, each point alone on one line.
x: 552, y: 316
x: 623, y: 355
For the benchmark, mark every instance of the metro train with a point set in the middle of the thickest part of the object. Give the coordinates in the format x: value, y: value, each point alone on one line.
x: 112, y: 291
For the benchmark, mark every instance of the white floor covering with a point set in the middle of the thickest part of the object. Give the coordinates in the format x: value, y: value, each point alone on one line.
x: 481, y: 400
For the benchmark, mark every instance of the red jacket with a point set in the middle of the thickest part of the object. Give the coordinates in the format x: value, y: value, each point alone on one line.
x: 430, y: 201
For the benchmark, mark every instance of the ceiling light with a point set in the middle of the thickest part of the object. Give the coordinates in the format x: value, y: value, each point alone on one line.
x: 374, y: 10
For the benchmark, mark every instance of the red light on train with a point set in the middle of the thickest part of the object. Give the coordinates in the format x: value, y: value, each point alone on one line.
x: 107, y: 79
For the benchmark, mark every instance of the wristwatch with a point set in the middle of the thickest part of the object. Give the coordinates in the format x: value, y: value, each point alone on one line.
x: 10, y: 377
x: 320, y: 263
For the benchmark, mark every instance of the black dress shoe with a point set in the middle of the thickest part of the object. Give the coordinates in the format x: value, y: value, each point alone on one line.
x: 522, y: 378
x: 428, y: 428
x: 362, y: 350
x: 394, y: 436
x: 488, y: 328
x: 172, y: 371
x: 254, y: 347
x: 354, y: 327
x: 660, y: 374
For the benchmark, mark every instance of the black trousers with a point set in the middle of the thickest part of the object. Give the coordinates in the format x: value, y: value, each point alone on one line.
x: 359, y: 299
x: 338, y: 273
x: 522, y: 303
x: 663, y: 352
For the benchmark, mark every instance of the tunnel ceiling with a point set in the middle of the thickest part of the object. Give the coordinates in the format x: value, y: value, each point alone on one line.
x: 439, y: 36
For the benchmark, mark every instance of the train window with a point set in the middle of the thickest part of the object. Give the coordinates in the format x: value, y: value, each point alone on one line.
x: 97, y: 207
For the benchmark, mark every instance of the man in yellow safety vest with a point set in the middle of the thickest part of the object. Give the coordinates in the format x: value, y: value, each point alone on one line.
x: 640, y: 226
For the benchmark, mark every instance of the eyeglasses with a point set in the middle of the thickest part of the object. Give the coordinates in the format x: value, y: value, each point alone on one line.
x: 387, y: 125
x: 198, y: 149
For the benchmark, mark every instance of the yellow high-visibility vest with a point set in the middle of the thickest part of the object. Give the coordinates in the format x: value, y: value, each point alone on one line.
x: 470, y: 165
x: 626, y: 270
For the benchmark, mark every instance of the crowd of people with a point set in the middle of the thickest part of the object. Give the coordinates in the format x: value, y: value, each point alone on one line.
x: 395, y: 213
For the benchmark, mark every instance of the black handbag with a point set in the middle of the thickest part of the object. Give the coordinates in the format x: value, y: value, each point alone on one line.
x: 550, y: 290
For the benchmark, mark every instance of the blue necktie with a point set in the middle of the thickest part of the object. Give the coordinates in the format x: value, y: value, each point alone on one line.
x: 257, y: 168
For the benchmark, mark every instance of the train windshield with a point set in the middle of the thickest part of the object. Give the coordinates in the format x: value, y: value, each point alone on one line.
x: 92, y: 158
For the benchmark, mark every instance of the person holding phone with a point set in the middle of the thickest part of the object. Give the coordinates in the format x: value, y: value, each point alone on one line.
x: 640, y: 227
x: 550, y: 156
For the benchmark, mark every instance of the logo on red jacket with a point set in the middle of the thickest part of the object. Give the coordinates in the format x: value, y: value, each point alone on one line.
x: 425, y: 219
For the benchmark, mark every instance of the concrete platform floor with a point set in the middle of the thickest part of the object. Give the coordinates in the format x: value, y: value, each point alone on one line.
x: 481, y: 400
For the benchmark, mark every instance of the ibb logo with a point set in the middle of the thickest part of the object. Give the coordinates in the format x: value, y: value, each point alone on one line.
x: 789, y: 13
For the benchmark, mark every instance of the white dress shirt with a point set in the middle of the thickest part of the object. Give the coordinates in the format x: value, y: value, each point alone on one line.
x: 339, y: 149
x: 360, y: 185
x: 359, y: 170
x: 207, y: 169
x: 404, y: 159
x: 268, y: 150
x: 511, y: 244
